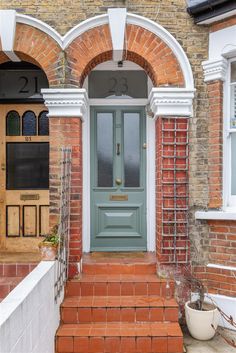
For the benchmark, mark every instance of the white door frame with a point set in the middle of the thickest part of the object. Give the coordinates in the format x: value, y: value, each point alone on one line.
x: 150, y: 183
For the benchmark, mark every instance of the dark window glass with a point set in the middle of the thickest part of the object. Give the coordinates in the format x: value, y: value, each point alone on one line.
x: 13, y: 124
x: 105, y: 149
x: 29, y: 124
x: 43, y: 124
x: 27, y: 166
x: 132, y: 149
x: 117, y: 84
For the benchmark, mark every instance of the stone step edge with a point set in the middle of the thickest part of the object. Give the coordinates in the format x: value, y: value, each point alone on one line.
x: 98, y: 302
x: 120, y: 329
x: 149, y: 278
x: 118, y: 268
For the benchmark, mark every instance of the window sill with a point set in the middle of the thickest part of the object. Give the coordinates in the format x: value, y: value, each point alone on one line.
x: 218, y: 215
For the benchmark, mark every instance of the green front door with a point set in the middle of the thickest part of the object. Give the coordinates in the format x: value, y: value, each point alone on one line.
x: 118, y: 179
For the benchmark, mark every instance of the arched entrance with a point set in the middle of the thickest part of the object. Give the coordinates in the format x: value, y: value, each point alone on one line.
x: 118, y: 167
x: 67, y: 64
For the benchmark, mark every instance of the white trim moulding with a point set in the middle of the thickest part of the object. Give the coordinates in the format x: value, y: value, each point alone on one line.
x: 227, y: 268
x: 215, y: 69
x: 171, y: 102
x: 217, y: 215
x: 65, y: 102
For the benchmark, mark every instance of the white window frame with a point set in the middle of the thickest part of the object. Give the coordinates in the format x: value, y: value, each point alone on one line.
x: 229, y: 200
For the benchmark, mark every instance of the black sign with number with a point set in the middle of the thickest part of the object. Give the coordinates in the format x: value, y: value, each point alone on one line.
x: 19, y: 84
x: 114, y: 84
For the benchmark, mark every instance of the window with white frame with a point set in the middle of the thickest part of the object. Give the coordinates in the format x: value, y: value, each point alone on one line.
x: 231, y: 138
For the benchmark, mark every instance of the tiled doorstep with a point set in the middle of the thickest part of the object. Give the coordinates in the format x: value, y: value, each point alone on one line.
x: 125, y: 337
x: 120, y: 309
x: 102, y: 285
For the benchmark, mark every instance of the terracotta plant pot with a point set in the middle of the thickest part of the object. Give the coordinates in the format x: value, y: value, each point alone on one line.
x: 199, y: 321
x: 48, y: 251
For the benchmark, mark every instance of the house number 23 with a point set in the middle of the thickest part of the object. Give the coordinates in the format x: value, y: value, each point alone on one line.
x: 118, y: 86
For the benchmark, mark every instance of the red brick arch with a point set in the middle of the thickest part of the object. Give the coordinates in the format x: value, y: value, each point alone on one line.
x: 37, y: 47
x: 141, y: 46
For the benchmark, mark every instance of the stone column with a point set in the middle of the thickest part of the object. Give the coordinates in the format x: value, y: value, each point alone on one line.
x: 67, y: 109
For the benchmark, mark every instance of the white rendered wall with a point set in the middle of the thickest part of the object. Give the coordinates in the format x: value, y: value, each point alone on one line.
x: 29, y: 315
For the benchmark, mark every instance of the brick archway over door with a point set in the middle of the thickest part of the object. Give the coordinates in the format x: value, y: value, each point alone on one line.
x: 36, y: 47
x: 141, y: 46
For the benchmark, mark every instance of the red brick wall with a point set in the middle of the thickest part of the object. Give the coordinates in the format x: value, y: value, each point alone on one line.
x: 228, y: 22
x: 172, y: 180
x: 216, y: 280
x: 40, y: 49
x: 222, y: 242
x: 222, y: 251
x: 215, y: 155
x: 67, y: 132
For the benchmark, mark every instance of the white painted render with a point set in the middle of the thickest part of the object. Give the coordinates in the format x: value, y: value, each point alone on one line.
x: 29, y: 315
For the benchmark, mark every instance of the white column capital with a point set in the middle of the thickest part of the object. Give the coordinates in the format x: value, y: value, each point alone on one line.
x: 66, y: 102
x: 215, y: 69
x: 168, y: 101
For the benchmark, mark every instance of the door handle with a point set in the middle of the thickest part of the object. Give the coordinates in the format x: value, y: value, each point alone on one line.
x: 118, y: 149
x: 118, y: 181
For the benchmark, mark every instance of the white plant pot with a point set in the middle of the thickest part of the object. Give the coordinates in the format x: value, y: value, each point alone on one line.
x: 199, y: 322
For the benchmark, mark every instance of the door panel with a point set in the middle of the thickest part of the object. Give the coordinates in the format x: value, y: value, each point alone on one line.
x: 24, y: 176
x: 118, y: 180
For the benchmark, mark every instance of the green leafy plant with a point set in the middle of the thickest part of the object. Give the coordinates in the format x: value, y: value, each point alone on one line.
x: 53, y: 237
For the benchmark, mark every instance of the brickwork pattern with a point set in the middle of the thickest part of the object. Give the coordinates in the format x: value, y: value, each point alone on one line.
x: 172, y: 190
x: 215, y: 156
x: 228, y: 22
x: 38, y: 48
x: 67, y: 132
x: 141, y: 47
x: 87, y: 51
x: 151, y: 53
x: 222, y: 251
x: 216, y: 280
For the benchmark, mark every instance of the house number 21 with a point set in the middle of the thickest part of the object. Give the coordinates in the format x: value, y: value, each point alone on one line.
x: 26, y: 86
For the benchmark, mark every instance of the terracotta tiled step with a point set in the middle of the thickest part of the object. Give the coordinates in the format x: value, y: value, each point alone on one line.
x: 103, y: 285
x: 120, y: 337
x: 119, y: 309
x: 7, y: 284
x: 16, y: 269
x: 127, y: 263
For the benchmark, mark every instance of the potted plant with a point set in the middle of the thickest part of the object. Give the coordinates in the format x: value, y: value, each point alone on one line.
x: 202, y: 316
x: 49, y: 246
